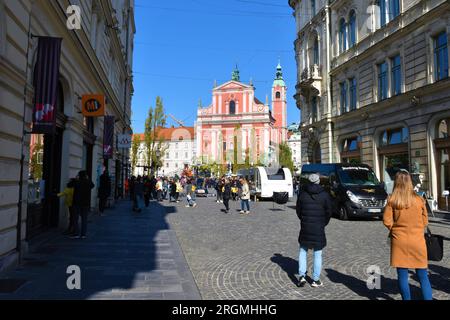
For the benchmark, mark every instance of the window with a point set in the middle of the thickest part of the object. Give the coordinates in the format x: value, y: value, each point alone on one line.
x: 382, y: 4
x: 352, y: 28
x: 394, y: 136
x: 278, y: 95
x: 344, y: 105
x: 316, y: 51
x: 396, y: 78
x: 313, y: 8
x: 232, y: 107
x: 440, y: 56
x: 382, y: 81
x: 352, y: 82
x: 224, y: 146
x: 314, y: 109
x: 394, y: 9
x: 342, y: 35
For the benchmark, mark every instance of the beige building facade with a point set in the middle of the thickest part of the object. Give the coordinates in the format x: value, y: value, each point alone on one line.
x: 385, y: 70
x: 95, y: 58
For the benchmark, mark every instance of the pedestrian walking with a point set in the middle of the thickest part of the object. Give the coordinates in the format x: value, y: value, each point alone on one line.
x: 104, y: 190
x: 159, y: 190
x: 81, y: 203
x: 147, y: 191
x: 314, y: 209
x: 245, y: 197
x: 219, y: 188
x: 226, y: 195
x: 68, y: 200
x: 139, y: 194
x: 190, y: 199
x: 406, y: 218
x: 178, y: 190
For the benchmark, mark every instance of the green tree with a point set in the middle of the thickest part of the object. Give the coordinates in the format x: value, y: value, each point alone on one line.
x: 285, y: 157
x: 156, y: 120
x: 134, y: 151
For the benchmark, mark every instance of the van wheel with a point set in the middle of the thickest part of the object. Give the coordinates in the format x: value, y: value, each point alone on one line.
x: 343, y: 213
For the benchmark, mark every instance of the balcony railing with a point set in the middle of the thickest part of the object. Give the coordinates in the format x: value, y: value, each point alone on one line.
x: 311, y: 73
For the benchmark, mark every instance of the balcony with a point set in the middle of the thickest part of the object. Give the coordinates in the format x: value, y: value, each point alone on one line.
x: 310, y: 81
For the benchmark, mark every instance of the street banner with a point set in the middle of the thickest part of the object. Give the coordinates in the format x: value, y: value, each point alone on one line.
x: 124, y: 141
x: 93, y: 105
x: 108, y: 137
x: 46, y: 76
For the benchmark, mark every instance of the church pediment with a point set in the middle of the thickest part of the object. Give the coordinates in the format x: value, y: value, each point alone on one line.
x: 232, y: 85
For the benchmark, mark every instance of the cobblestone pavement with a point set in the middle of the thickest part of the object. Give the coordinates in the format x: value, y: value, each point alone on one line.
x: 125, y: 256
x: 256, y: 256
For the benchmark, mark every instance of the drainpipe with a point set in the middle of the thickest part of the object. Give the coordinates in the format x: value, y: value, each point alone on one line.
x: 328, y: 64
x: 22, y: 156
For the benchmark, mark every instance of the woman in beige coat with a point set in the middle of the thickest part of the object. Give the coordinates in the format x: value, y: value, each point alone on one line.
x: 406, y: 218
x: 245, y: 197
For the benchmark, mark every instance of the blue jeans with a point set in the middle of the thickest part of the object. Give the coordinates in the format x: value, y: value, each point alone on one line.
x: 245, y: 204
x: 403, y: 283
x: 303, y: 263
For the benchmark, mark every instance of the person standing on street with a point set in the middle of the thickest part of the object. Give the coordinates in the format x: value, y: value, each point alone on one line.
x: 159, y: 189
x: 406, y: 218
x: 178, y: 190
x: 245, y: 197
x: 104, y: 191
x: 139, y: 194
x: 68, y: 200
x: 314, y: 209
x: 219, y: 188
x: 226, y: 195
x: 81, y: 203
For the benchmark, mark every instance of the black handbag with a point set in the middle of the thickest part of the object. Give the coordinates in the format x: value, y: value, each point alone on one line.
x: 435, y: 246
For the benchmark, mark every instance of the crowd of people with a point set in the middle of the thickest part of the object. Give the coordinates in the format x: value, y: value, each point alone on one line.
x: 405, y: 215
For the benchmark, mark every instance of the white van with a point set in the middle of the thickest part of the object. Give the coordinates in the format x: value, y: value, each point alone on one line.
x: 265, y: 181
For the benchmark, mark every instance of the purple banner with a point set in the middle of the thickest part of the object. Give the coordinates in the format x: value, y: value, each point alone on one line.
x: 46, y: 76
x: 108, y: 137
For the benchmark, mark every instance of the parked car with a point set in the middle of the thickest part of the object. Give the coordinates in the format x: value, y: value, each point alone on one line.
x: 355, y: 188
x: 200, y: 188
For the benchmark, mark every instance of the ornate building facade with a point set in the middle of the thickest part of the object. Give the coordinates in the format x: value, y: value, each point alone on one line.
x: 386, y: 100
x: 238, y: 123
x: 95, y: 58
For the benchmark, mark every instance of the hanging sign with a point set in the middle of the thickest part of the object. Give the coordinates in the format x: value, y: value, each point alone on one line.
x: 124, y: 141
x: 93, y: 105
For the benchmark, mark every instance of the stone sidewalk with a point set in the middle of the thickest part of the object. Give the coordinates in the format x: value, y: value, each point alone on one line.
x: 125, y: 256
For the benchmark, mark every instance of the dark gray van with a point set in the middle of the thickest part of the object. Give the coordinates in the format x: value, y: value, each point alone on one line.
x: 354, y: 187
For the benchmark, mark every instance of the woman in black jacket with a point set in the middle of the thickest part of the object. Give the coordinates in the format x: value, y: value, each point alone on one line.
x: 226, y: 195
x: 314, y: 209
x: 81, y: 203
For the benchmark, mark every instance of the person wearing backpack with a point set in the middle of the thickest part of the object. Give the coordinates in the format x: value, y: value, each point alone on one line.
x: 406, y: 217
x: 314, y: 209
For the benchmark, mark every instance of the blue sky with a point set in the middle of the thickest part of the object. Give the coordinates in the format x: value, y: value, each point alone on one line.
x: 182, y: 46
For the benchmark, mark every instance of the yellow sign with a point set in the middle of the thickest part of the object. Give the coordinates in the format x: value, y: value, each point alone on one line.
x: 93, y: 105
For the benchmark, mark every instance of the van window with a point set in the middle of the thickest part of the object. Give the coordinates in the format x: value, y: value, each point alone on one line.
x: 357, y: 176
x: 275, y: 175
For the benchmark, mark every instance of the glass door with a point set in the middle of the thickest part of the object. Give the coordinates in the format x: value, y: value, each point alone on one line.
x: 392, y: 163
x: 444, y: 177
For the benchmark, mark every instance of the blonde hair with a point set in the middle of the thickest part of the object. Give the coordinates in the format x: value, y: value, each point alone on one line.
x: 403, y: 195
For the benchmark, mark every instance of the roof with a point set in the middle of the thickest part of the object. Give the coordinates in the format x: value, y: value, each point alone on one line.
x: 257, y: 101
x: 177, y: 133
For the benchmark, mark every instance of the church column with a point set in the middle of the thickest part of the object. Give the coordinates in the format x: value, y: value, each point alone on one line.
x: 220, y: 104
x: 214, y: 103
x: 245, y: 97
x: 214, y: 143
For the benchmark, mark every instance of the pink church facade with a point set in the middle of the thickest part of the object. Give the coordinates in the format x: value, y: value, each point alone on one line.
x: 237, y: 120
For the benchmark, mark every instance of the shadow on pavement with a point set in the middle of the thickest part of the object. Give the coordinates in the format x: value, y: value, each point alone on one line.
x: 438, y: 280
x: 288, y: 265
x: 126, y: 255
x: 388, y: 286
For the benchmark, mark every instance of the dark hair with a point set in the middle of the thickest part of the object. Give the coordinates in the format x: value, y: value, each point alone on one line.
x: 82, y: 174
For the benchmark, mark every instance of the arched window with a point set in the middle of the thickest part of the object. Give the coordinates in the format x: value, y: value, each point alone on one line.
x: 342, y: 35
x: 232, y: 107
x: 278, y: 95
x: 352, y: 28
x: 316, y: 51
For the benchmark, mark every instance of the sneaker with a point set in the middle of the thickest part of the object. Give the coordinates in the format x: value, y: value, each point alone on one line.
x: 242, y: 212
x: 194, y: 205
x: 74, y: 236
x: 301, y: 281
x: 316, y: 284
x: 187, y: 206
